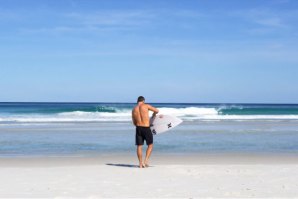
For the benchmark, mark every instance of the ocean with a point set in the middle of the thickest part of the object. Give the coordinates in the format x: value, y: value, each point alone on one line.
x: 87, y: 129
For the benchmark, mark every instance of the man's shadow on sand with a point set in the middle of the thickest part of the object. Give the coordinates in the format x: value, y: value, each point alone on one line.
x: 124, y: 165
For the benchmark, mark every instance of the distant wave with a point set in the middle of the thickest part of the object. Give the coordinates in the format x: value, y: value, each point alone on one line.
x: 124, y: 115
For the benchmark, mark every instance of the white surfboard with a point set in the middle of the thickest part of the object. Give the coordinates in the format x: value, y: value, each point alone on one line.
x: 162, y: 123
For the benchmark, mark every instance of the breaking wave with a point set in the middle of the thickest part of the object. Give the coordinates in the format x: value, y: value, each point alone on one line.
x: 107, y: 114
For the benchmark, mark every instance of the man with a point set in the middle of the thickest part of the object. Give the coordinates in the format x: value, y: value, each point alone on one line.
x: 140, y: 118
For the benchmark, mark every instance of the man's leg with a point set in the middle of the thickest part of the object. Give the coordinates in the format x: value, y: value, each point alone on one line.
x: 140, y: 154
x: 148, y: 153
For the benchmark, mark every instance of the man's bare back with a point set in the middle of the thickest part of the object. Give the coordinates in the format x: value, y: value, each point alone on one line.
x: 140, y: 114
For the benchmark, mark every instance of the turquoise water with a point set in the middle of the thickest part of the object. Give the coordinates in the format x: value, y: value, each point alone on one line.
x: 71, y: 129
x: 223, y: 109
x: 88, y: 112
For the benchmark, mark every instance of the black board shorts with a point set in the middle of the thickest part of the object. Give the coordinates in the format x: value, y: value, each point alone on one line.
x: 143, y: 133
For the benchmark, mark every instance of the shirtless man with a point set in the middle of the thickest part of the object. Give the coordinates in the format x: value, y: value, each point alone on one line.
x: 140, y: 118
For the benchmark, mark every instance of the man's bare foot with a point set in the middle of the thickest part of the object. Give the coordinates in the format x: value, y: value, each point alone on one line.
x: 146, y: 164
x: 141, y: 165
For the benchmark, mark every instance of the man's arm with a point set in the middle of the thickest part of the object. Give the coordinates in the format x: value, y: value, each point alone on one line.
x: 155, y: 110
x: 133, y: 119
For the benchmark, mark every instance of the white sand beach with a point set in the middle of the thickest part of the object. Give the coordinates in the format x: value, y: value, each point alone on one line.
x: 192, y: 176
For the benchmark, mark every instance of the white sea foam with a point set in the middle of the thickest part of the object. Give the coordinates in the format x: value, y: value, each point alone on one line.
x: 187, y: 114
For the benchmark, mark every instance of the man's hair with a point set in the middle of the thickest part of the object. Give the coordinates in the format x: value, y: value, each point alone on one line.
x: 141, y: 99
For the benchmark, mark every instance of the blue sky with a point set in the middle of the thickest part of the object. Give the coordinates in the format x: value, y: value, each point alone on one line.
x: 167, y: 50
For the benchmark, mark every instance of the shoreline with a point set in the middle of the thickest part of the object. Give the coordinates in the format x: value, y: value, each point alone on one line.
x: 156, y: 159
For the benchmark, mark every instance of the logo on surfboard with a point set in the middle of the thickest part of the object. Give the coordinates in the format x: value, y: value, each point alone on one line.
x: 153, y: 132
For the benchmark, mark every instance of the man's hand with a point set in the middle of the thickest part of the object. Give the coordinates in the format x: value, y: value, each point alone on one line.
x: 154, y: 114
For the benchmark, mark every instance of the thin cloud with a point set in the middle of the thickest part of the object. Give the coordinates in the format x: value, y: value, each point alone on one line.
x: 6, y: 15
x: 95, y: 22
x: 189, y: 14
x: 131, y: 17
x: 267, y: 18
x: 262, y: 17
x: 113, y: 18
x: 281, y: 1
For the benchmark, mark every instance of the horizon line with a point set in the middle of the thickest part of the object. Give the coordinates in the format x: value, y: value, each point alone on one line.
x: 90, y: 102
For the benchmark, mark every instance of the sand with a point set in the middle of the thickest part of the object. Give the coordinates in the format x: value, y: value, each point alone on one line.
x: 183, y: 176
